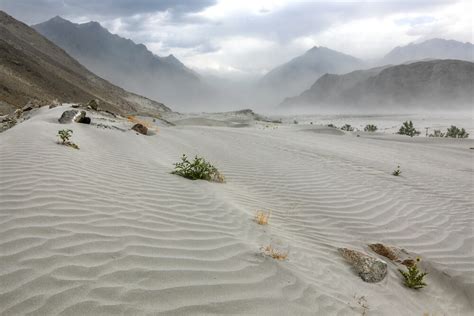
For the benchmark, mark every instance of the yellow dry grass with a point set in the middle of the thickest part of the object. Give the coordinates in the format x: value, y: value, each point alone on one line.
x: 262, y: 218
x: 275, y: 254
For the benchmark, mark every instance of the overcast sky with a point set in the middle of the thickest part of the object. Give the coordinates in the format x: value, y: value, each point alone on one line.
x: 246, y: 37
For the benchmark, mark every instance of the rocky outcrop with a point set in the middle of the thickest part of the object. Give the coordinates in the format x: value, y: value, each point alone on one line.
x: 370, y: 269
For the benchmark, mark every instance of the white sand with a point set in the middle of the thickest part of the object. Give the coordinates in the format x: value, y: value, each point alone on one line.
x: 108, y: 230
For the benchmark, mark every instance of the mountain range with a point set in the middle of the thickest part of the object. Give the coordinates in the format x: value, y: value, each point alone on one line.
x: 124, y: 63
x: 433, y: 84
x: 32, y: 67
x: 300, y: 73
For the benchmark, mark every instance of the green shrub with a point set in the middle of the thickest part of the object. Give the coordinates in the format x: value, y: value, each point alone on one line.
x: 65, y: 135
x: 455, y: 132
x: 414, y: 277
x: 347, y: 127
x: 370, y: 128
x: 397, y: 171
x: 199, y: 169
x: 408, y: 129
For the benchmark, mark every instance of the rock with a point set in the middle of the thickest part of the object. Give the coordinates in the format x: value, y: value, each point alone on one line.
x: 75, y: 106
x: 385, y: 251
x: 409, y: 263
x: 370, y: 269
x: 140, y: 128
x: 70, y: 116
x: 84, y: 120
x: 93, y: 104
x: 17, y: 114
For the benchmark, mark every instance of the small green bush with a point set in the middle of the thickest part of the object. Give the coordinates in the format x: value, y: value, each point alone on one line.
x: 370, y: 128
x: 198, y: 169
x: 414, y: 277
x: 455, y: 132
x: 347, y: 127
x: 65, y: 135
x: 408, y: 129
x: 397, y: 171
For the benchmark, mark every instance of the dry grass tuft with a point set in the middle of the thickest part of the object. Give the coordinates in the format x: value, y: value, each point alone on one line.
x: 275, y: 254
x: 262, y: 218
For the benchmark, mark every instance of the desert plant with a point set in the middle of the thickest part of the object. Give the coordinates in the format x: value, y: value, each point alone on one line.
x: 198, y: 169
x: 262, y: 218
x: 370, y: 128
x: 332, y: 125
x: 347, y: 127
x: 295, y: 122
x: 65, y: 135
x: 275, y: 254
x: 397, y: 171
x: 408, y: 129
x: 414, y: 277
x: 437, y: 133
x: 455, y: 132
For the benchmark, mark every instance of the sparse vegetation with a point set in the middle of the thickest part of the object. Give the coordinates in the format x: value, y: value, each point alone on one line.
x: 455, y: 132
x: 347, y: 127
x: 332, y: 125
x: 275, y: 254
x: 370, y: 128
x: 414, y: 277
x: 408, y: 129
x: 437, y: 133
x: 198, y: 169
x: 397, y: 171
x: 262, y: 217
x: 65, y: 135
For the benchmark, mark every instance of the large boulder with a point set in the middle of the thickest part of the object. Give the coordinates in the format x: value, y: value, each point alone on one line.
x: 370, y: 269
x: 70, y: 116
x: 140, y: 128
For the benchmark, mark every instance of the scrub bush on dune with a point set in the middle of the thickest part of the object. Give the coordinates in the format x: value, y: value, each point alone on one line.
x: 198, y: 169
x: 65, y: 135
x: 408, y: 129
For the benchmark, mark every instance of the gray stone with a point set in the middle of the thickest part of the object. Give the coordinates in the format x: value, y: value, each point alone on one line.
x: 70, y: 116
x: 93, y: 104
x: 370, y: 269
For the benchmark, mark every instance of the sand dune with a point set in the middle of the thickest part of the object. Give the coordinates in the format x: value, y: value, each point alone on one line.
x: 108, y: 230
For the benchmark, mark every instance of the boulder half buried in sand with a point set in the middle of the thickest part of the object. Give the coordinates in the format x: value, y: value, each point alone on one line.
x: 70, y: 116
x: 140, y: 128
x: 370, y: 269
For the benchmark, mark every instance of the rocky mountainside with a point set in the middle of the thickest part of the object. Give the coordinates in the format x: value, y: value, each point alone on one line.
x: 435, y: 84
x: 32, y: 67
x: 124, y: 63
x: 431, y: 49
x: 298, y: 74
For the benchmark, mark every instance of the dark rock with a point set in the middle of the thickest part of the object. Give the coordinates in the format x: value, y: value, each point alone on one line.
x: 84, y: 120
x: 140, y: 128
x: 370, y: 269
x: 75, y: 106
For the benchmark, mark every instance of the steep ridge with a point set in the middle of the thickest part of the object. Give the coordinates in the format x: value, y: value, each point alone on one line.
x: 124, y: 63
x: 32, y: 67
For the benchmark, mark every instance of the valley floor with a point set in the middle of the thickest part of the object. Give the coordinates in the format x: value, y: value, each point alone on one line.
x: 108, y: 230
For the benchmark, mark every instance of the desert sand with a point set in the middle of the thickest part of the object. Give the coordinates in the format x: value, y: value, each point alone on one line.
x: 107, y: 230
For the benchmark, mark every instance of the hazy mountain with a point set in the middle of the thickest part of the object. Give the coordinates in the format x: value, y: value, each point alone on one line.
x: 446, y: 84
x: 298, y: 74
x: 32, y: 67
x: 430, y: 49
x: 124, y: 63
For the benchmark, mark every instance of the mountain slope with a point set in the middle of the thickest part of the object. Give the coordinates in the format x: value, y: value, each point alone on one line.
x: 432, y: 84
x: 298, y: 74
x: 122, y: 62
x: 430, y: 49
x: 31, y: 67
